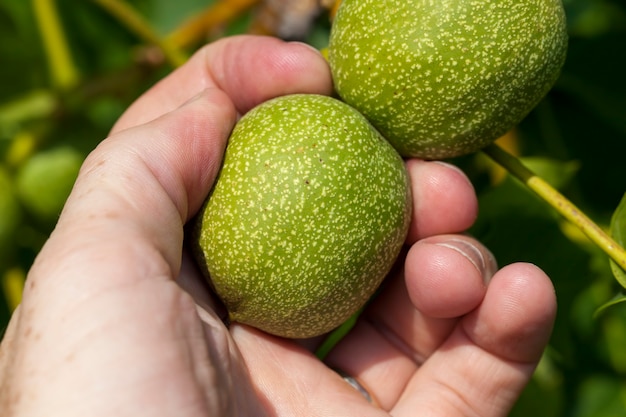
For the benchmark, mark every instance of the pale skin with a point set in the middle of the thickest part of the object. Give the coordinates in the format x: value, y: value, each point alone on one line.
x: 115, y: 320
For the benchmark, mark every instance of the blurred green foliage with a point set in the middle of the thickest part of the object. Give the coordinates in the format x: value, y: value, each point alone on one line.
x: 52, y: 113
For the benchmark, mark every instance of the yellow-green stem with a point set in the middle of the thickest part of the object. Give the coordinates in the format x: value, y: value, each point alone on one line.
x: 136, y: 23
x: 561, y: 204
x: 334, y: 337
x: 62, y: 69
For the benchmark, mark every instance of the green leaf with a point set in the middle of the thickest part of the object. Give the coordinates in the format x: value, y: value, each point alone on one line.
x: 618, y: 299
x: 35, y: 104
x: 558, y: 173
x: 618, y: 233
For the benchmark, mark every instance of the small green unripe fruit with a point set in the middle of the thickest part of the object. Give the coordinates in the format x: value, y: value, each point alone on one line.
x: 45, y: 181
x: 307, y: 216
x: 445, y: 78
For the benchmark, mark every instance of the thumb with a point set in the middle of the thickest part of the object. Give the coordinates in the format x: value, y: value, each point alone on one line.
x: 134, y: 193
x: 100, y: 297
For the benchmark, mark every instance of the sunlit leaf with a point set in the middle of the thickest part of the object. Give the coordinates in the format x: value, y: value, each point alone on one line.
x: 34, y: 105
x: 618, y: 232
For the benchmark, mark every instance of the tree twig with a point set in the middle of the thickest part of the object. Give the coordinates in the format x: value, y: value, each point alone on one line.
x: 559, y: 202
x: 63, y: 71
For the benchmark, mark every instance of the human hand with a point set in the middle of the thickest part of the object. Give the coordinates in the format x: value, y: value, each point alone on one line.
x: 115, y: 319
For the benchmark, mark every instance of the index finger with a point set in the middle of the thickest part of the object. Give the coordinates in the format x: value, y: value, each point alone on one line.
x: 249, y: 69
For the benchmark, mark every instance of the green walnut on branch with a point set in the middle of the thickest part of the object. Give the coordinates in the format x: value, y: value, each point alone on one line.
x: 443, y: 78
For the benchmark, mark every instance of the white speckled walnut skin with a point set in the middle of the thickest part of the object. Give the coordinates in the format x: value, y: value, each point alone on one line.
x: 307, y: 216
x: 442, y: 78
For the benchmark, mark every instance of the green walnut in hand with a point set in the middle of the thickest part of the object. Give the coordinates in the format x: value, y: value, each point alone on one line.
x: 307, y: 216
x: 445, y: 78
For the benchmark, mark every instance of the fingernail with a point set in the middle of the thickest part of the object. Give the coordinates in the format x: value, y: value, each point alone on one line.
x: 454, y: 168
x: 482, y: 259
